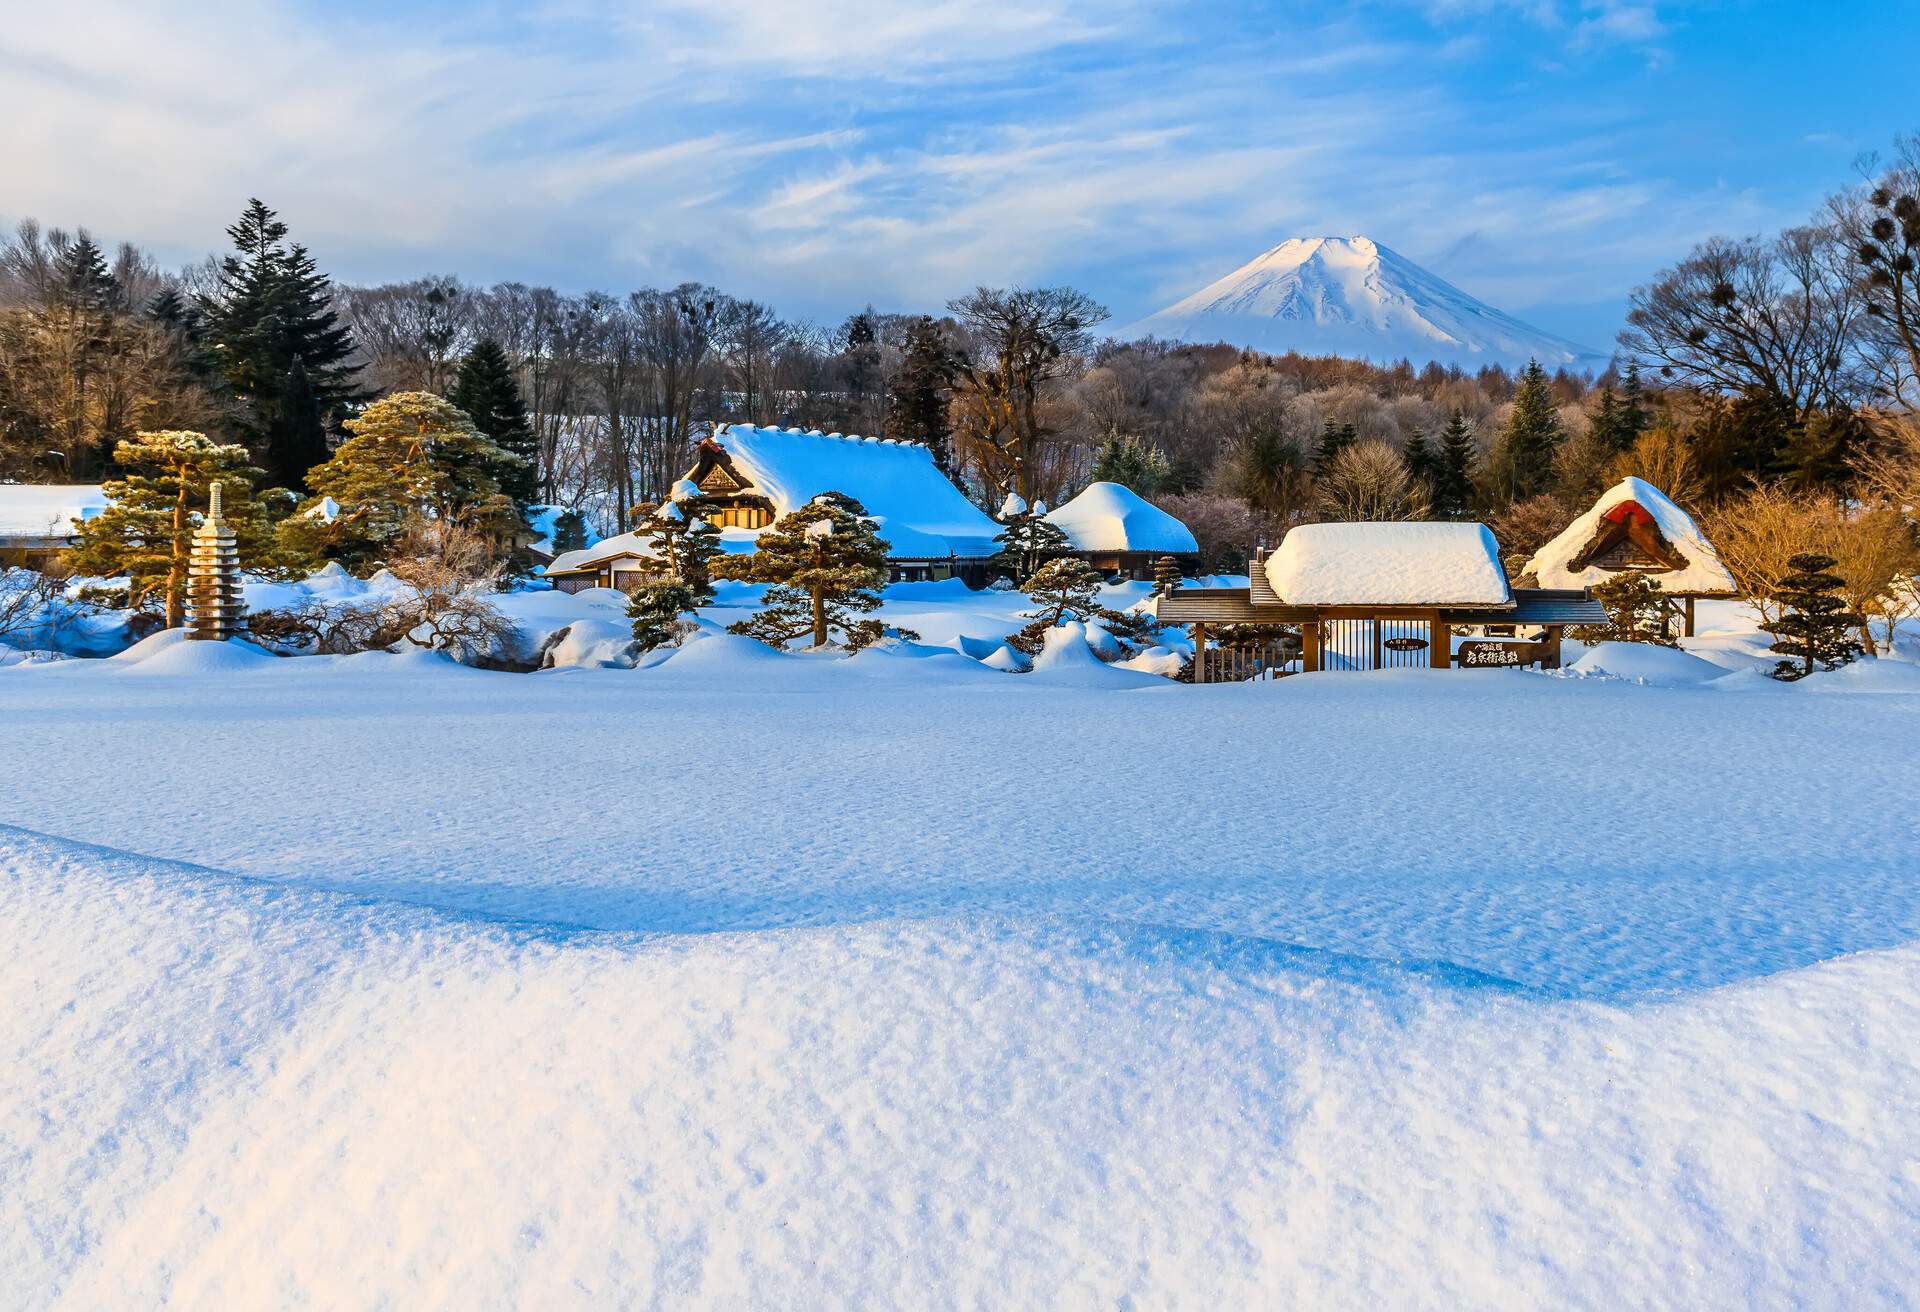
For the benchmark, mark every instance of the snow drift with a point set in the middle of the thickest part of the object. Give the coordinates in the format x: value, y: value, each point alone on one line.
x: 279, y: 1096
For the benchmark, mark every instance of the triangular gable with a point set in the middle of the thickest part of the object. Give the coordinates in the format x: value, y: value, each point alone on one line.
x: 1634, y: 525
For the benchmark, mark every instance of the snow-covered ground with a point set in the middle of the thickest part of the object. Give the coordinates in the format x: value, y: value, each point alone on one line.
x: 756, y: 980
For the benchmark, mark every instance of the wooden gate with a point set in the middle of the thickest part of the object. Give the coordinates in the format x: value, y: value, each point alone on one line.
x: 1375, y: 644
x: 1239, y: 662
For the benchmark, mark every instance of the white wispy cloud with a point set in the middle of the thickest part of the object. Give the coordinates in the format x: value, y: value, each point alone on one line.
x: 830, y: 154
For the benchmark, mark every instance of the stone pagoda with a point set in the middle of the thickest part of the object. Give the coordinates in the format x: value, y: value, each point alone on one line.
x: 214, y: 608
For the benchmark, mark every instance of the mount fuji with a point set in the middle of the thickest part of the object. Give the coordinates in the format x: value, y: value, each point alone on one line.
x: 1352, y: 296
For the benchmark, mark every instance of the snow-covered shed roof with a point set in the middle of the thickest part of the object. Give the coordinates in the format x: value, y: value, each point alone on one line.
x: 1389, y: 564
x: 920, y: 513
x: 1113, y: 517
x: 44, y: 512
x: 1634, y: 510
x: 620, y: 544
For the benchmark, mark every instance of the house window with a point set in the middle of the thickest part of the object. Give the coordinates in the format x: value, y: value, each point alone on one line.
x: 742, y: 517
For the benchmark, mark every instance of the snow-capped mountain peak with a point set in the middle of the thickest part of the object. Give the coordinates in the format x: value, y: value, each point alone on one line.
x: 1352, y: 296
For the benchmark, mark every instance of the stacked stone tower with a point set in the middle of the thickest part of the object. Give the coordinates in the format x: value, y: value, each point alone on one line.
x: 214, y: 609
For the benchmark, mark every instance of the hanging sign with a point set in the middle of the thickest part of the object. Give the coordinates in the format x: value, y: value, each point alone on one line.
x: 1405, y: 644
x: 1499, y: 655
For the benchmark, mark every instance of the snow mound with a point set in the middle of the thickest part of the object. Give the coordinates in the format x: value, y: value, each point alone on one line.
x: 1067, y: 657
x: 1644, y: 662
x: 719, y: 652
x: 1878, y: 675
x: 171, y: 651
x: 1007, y: 660
x: 226, y: 1094
x: 593, y: 644
x: 1163, y: 661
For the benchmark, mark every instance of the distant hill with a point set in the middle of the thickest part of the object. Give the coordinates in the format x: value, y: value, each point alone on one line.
x: 1353, y: 297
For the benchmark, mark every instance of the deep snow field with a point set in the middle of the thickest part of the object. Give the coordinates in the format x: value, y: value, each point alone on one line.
x: 754, y: 980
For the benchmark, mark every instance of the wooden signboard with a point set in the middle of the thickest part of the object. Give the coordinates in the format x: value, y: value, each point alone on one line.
x: 1499, y: 655
x: 1405, y: 644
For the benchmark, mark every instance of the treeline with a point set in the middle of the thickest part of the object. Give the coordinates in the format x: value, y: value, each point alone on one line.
x: 1785, y: 362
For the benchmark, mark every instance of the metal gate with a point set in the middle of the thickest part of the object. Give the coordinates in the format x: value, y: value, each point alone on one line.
x: 1385, y: 644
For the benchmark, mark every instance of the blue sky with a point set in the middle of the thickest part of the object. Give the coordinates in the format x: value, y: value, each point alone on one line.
x: 1544, y: 155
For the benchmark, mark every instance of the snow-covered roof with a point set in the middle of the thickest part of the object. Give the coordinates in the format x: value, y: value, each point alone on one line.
x: 621, y: 544
x: 1702, y: 572
x: 44, y: 512
x: 920, y: 512
x: 1399, y: 564
x: 1112, y: 517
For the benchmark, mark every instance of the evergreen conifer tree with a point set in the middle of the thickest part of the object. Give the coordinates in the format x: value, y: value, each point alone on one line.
x: 1065, y: 588
x: 917, y: 399
x: 826, y: 564
x: 1453, y: 470
x: 486, y: 389
x: 1421, y: 461
x: 1028, y: 541
x: 685, y: 545
x: 410, y: 454
x: 569, y: 531
x: 272, y: 308
x: 1334, y: 438
x: 656, y: 609
x: 1604, y: 425
x: 1635, y: 416
x: 1636, y: 612
x: 146, y: 531
x: 1131, y: 462
x: 1531, y: 438
x: 186, y: 329
x: 1815, y: 627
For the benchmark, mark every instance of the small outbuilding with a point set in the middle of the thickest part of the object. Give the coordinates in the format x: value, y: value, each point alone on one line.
x: 1118, y: 531
x: 1634, y: 526
x: 37, y: 520
x: 1369, y: 596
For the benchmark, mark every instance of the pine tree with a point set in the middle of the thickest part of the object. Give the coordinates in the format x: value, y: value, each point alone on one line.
x: 1604, y: 426
x: 684, y: 542
x: 147, y: 528
x: 486, y: 389
x: 1027, y: 542
x: 1453, y: 470
x: 826, y: 565
x: 569, y: 531
x: 1131, y: 462
x: 1527, y: 445
x: 1815, y: 627
x: 273, y: 308
x: 1334, y: 438
x: 1421, y: 462
x: 410, y: 454
x: 1166, y: 575
x: 1635, y: 416
x: 186, y: 329
x: 657, y: 610
x: 1636, y: 612
x: 917, y: 399
x: 1065, y: 589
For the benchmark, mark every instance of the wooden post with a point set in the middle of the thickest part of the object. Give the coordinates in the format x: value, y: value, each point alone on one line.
x: 1551, y: 661
x: 1199, y: 653
x: 1310, y: 646
x: 1686, y: 627
x: 1377, y: 653
x: 1441, y: 634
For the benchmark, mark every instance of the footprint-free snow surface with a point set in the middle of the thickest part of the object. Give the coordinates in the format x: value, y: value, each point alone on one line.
x: 758, y: 981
